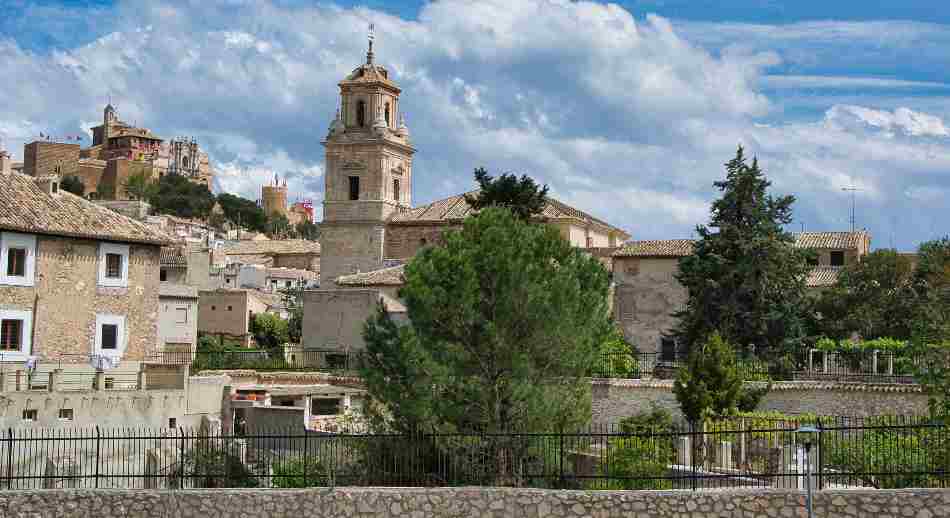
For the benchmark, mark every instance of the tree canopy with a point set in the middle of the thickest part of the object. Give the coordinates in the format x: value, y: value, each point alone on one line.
x: 505, y: 319
x: 524, y: 197
x: 73, y: 184
x: 874, y: 297
x: 307, y: 230
x: 709, y: 384
x: 139, y: 186
x: 174, y: 194
x: 243, y: 212
x: 746, y: 278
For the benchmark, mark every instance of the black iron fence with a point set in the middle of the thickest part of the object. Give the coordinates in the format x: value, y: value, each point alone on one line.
x: 843, y: 453
x: 806, y: 364
x: 291, y: 357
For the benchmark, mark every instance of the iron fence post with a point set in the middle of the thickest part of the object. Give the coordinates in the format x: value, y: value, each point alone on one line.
x: 821, y: 454
x: 9, y: 458
x: 306, y: 454
x: 561, y: 459
x: 181, y: 458
x: 98, y: 441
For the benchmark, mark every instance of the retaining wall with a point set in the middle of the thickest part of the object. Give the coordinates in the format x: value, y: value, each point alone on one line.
x: 468, y: 502
x: 614, y: 399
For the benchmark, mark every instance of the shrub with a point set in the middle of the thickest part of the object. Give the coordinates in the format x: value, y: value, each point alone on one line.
x: 301, y: 472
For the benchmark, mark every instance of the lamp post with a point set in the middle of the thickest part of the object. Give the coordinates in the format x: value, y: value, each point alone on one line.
x: 808, y: 432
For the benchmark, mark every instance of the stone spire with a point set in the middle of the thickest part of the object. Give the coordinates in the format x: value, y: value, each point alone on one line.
x: 372, y: 36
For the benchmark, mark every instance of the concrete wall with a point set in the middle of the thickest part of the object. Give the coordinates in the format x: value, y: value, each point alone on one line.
x: 333, y: 319
x: 616, y: 399
x: 646, y: 296
x: 177, y: 321
x: 468, y: 502
x: 199, y: 268
x: 66, y: 297
x: 199, y: 396
x: 215, y: 317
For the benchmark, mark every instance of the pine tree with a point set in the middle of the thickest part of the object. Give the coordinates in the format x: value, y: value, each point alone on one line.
x: 709, y: 384
x: 745, y: 278
x: 522, y: 196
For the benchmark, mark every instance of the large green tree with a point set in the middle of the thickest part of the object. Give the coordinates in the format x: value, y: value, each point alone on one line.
x: 874, y: 298
x: 243, y: 212
x: 709, y: 384
x: 139, y: 186
x: 523, y: 196
x: 174, y: 194
x: 307, y: 230
x: 504, y: 321
x: 932, y: 320
x: 745, y: 278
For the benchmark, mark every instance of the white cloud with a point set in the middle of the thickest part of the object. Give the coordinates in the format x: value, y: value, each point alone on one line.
x: 630, y: 120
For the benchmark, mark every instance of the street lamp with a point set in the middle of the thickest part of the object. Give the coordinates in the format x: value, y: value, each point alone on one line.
x: 808, y: 433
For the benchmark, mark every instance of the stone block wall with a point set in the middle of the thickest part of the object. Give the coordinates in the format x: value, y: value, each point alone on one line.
x: 348, y: 248
x: 223, y: 311
x: 616, y: 399
x: 333, y: 319
x: 403, y: 241
x: 66, y: 298
x: 646, y: 297
x: 469, y: 502
x: 42, y: 158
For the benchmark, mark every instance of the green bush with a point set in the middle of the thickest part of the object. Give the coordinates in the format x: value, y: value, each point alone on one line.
x: 616, y: 358
x: 301, y: 472
x: 642, y: 461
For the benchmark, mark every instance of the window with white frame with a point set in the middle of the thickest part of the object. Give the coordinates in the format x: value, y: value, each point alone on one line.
x: 113, y: 265
x: 15, y: 330
x: 18, y: 259
x: 181, y: 315
x: 110, y: 335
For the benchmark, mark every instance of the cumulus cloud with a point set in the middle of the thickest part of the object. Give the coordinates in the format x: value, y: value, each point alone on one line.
x: 629, y: 118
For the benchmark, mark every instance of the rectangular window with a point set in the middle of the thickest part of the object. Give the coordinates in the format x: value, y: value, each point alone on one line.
x: 18, y: 259
x: 354, y: 187
x: 837, y: 258
x: 396, y: 189
x: 16, y: 262
x: 181, y: 315
x: 110, y: 337
x: 172, y: 422
x: 30, y: 415
x: 325, y: 406
x: 65, y: 414
x: 114, y: 266
x: 667, y: 350
x: 11, y: 335
x: 163, y: 275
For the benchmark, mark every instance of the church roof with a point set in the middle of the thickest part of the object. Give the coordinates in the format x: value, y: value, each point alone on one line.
x: 392, y: 276
x: 370, y: 73
x: 455, y: 209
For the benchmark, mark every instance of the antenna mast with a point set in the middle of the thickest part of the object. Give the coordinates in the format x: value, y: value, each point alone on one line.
x: 852, y: 189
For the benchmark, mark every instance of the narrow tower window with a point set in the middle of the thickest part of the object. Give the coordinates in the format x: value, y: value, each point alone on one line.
x: 396, y: 189
x: 361, y: 113
x: 386, y: 113
x: 354, y: 187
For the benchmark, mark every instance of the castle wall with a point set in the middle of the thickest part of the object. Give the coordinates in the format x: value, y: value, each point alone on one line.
x: 42, y: 158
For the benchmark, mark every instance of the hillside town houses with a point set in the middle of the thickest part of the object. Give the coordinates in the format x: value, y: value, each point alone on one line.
x: 102, y: 293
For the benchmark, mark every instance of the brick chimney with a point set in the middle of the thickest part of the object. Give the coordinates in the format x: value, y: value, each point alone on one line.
x: 6, y: 162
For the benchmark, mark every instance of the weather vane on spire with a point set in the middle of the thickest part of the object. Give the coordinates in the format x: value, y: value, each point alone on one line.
x: 372, y: 36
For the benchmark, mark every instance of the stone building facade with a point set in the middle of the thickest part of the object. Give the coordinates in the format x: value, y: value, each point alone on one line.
x: 118, y: 151
x: 647, y: 294
x: 370, y: 225
x: 78, y: 279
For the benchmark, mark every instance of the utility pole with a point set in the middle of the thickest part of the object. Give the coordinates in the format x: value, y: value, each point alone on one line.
x: 852, y: 189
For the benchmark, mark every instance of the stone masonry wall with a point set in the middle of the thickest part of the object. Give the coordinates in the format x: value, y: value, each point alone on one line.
x: 616, y: 399
x: 42, y: 158
x: 468, y: 502
x: 66, y: 298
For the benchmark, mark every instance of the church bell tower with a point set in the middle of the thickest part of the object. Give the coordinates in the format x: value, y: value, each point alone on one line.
x: 368, y: 172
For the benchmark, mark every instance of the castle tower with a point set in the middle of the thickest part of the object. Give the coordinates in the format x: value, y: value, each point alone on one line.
x: 6, y: 161
x: 368, y: 172
x: 274, y: 198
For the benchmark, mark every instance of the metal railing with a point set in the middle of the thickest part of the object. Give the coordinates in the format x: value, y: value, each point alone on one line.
x: 845, y: 453
x: 294, y: 358
x: 807, y: 364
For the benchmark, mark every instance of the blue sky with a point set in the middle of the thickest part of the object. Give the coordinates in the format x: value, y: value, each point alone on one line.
x: 627, y: 109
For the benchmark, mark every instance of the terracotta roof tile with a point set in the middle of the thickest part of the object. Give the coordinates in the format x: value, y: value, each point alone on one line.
x: 173, y: 256
x: 835, y: 240
x: 656, y: 248
x: 392, y: 276
x: 822, y: 276
x: 274, y: 247
x: 177, y: 291
x: 455, y: 208
x: 24, y: 207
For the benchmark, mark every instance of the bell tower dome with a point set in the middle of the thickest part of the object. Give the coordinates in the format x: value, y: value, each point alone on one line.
x: 368, y: 171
